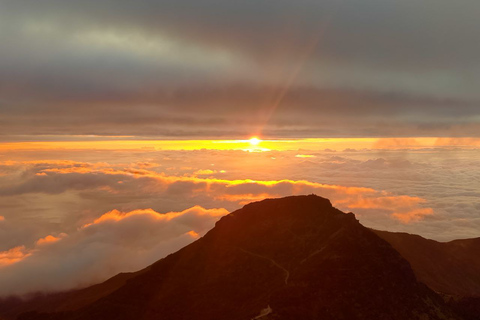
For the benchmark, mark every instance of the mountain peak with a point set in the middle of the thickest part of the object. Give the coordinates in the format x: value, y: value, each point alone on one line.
x: 302, y: 204
x: 291, y: 258
x: 288, y: 213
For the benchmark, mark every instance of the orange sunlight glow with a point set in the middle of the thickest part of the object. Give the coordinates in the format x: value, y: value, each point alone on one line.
x: 247, y: 145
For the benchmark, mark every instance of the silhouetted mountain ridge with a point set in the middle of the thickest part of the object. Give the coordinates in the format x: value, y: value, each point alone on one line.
x: 290, y: 258
x: 451, y: 268
x: 297, y: 257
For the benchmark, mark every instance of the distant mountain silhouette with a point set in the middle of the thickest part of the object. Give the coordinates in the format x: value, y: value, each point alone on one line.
x: 277, y: 259
x: 447, y: 267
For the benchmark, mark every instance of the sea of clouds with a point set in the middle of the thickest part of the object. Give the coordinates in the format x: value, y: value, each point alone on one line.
x: 77, y: 221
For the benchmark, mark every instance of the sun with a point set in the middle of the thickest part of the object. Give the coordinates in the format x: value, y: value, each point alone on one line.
x: 254, y: 141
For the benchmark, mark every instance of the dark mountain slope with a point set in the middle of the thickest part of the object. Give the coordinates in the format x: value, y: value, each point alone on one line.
x: 467, y: 307
x: 290, y: 258
x: 447, y: 267
x: 11, y: 307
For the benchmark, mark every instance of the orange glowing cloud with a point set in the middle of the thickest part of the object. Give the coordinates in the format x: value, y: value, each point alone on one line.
x: 17, y: 254
x: 458, y: 142
x: 116, y: 215
x: 413, y: 214
x: 193, y: 234
x: 162, y: 177
x: 204, y: 172
x: 394, y: 143
x: 383, y: 202
x: 241, y: 191
x: 13, y: 255
x: 50, y: 239
x: 404, y: 208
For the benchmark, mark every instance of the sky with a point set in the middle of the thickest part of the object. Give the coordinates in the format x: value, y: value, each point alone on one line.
x: 126, y: 126
x: 221, y: 68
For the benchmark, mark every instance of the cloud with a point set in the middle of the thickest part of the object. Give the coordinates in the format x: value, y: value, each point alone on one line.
x: 119, y: 241
x: 115, y: 242
x: 49, y: 239
x: 210, y: 23
x: 412, y: 215
x: 204, y: 172
x: 130, y: 182
x: 305, y: 156
x: 94, y: 210
x: 316, y: 68
x: 406, y: 208
x: 13, y: 255
x: 239, y: 110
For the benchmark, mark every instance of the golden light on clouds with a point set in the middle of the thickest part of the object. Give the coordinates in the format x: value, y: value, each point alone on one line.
x: 49, y: 239
x: 116, y: 215
x: 13, y: 255
x: 121, y: 142
x: 120, y: 198
x: 252, y: 144
x: 402, y: 207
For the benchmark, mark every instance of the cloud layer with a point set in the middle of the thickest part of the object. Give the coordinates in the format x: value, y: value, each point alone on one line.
x: 77, y: 220
x: 229, y: 68
x: 54, y: 178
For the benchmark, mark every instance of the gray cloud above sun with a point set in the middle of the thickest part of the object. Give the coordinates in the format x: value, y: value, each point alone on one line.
x: 187, y: 68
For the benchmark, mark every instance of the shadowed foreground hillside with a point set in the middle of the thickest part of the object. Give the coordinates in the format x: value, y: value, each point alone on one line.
x: 11, y: 307
x: 290, y: 258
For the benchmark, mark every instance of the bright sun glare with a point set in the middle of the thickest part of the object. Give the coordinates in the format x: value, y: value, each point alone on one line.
x: 254, y: 141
